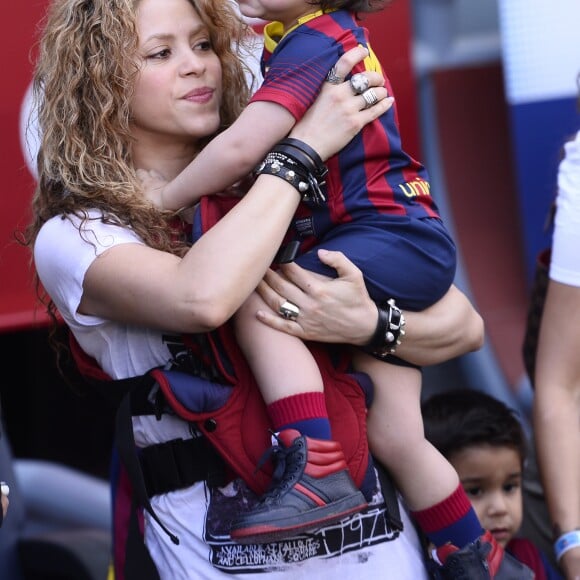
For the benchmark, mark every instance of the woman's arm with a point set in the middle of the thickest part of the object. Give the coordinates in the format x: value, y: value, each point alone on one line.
x: 556, y: 413
x: 339, y: 310
x: 138, y: 285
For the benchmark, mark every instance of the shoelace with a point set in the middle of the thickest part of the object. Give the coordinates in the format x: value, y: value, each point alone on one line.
x: 284, y: 469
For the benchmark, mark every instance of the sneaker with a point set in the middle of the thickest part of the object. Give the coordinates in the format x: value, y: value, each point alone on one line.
x: 483, y: 559
x: 310, y: 487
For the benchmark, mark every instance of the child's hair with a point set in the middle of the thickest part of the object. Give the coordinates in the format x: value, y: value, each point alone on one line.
x: 457, y: 419
x: 356, y: 6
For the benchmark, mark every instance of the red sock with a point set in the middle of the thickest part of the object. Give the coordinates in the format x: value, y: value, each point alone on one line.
x: 451, y: 520
x: 305, y: 412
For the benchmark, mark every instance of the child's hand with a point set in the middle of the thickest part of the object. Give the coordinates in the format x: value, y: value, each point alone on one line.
x: 153, y: 183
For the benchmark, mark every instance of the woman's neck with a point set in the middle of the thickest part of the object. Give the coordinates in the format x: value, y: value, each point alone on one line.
x: 169, y: 159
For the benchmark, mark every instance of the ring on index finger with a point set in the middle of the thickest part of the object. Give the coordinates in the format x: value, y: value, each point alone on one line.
x: 289, y: 310
x: 332, y: 77
x: 370, y: 98
x: 359, y: 83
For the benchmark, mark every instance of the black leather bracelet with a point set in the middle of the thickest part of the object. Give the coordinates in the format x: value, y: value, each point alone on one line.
x: 309, y: 159
x: 318, y: 167
x: 295, y: 171
x: 389, y: 332
x: 285, y: 168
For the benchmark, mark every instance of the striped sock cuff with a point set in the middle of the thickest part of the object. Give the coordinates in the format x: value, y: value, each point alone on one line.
x: 444, y: 513
x: 297, y: 408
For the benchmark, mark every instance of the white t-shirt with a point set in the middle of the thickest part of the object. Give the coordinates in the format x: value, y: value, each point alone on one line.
x: 359, y: 547
x: 565, y: 261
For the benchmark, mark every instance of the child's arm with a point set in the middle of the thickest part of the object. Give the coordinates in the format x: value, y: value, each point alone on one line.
x: 230, y: 156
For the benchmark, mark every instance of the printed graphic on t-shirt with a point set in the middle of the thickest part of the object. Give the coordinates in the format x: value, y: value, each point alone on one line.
x: 365, y: 529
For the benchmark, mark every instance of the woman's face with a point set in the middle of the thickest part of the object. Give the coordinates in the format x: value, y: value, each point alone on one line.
x: 179, y: 88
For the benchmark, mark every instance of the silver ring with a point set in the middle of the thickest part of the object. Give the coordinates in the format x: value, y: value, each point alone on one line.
x: 370, y: 98
x: 289, y: 311
x: 333, y: 78
x: 359, y: 83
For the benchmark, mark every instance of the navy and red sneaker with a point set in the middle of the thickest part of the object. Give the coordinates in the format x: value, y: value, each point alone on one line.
x: 483, y: 559
x: 310, y: 487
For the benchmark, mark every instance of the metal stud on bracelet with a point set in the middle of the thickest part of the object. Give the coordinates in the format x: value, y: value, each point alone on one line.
x: 292, y: 169
x: 308, y: 159
x: 282, y: 167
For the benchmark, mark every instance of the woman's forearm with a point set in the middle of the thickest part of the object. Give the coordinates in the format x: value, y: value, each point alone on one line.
x: 339, y: 310
x: 233, y: 255
x: 449, y: 328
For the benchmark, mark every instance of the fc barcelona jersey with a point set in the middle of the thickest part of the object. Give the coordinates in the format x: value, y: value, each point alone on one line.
x: 372, y: 175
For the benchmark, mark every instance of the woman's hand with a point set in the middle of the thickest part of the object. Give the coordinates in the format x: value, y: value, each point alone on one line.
x: 339, y: 310
x: 338, y: 114
x: 335, y: 310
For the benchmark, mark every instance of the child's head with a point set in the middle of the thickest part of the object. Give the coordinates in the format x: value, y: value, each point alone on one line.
x: 356, y: 6
x: 484, y: 441
x: 287, y: 11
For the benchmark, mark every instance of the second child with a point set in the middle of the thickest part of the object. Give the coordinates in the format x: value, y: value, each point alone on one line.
x: 485, y: 442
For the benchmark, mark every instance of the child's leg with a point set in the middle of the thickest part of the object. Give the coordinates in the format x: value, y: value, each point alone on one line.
x: 281, y: 363
x: 311, y: 484
x: 428, y: 482
x: 286, y: 373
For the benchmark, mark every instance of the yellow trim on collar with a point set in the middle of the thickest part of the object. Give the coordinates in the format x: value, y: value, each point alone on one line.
x: 274, y: 33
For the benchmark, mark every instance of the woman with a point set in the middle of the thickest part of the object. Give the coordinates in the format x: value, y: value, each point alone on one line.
x: 556, y: 412
x: 143, y: 84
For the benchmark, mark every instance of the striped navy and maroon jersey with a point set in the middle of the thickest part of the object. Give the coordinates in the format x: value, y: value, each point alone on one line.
x: 372, y: 174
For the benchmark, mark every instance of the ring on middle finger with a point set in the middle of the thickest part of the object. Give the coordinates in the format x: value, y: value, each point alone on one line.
x: 289, y: 311
x: 370, y: 98
x: 359, y: 83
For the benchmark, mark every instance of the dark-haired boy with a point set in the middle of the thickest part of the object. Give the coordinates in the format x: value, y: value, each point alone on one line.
x: 485, y: 442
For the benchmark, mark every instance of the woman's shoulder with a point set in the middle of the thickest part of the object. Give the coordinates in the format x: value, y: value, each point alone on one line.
x: 93, y: 230
x: 66, y: 245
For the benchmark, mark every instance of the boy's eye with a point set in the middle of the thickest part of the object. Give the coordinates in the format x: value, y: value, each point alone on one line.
x: 473, y: 491
x: 511, y: 487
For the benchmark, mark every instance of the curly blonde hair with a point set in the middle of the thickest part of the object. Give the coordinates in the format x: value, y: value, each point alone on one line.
x: 83, y: 84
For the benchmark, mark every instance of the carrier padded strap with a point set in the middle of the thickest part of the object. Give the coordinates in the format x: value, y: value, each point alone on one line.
x: 179, y: 464
x: 239, y: 430
x: 125, y: 442
x: 392, y: 510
